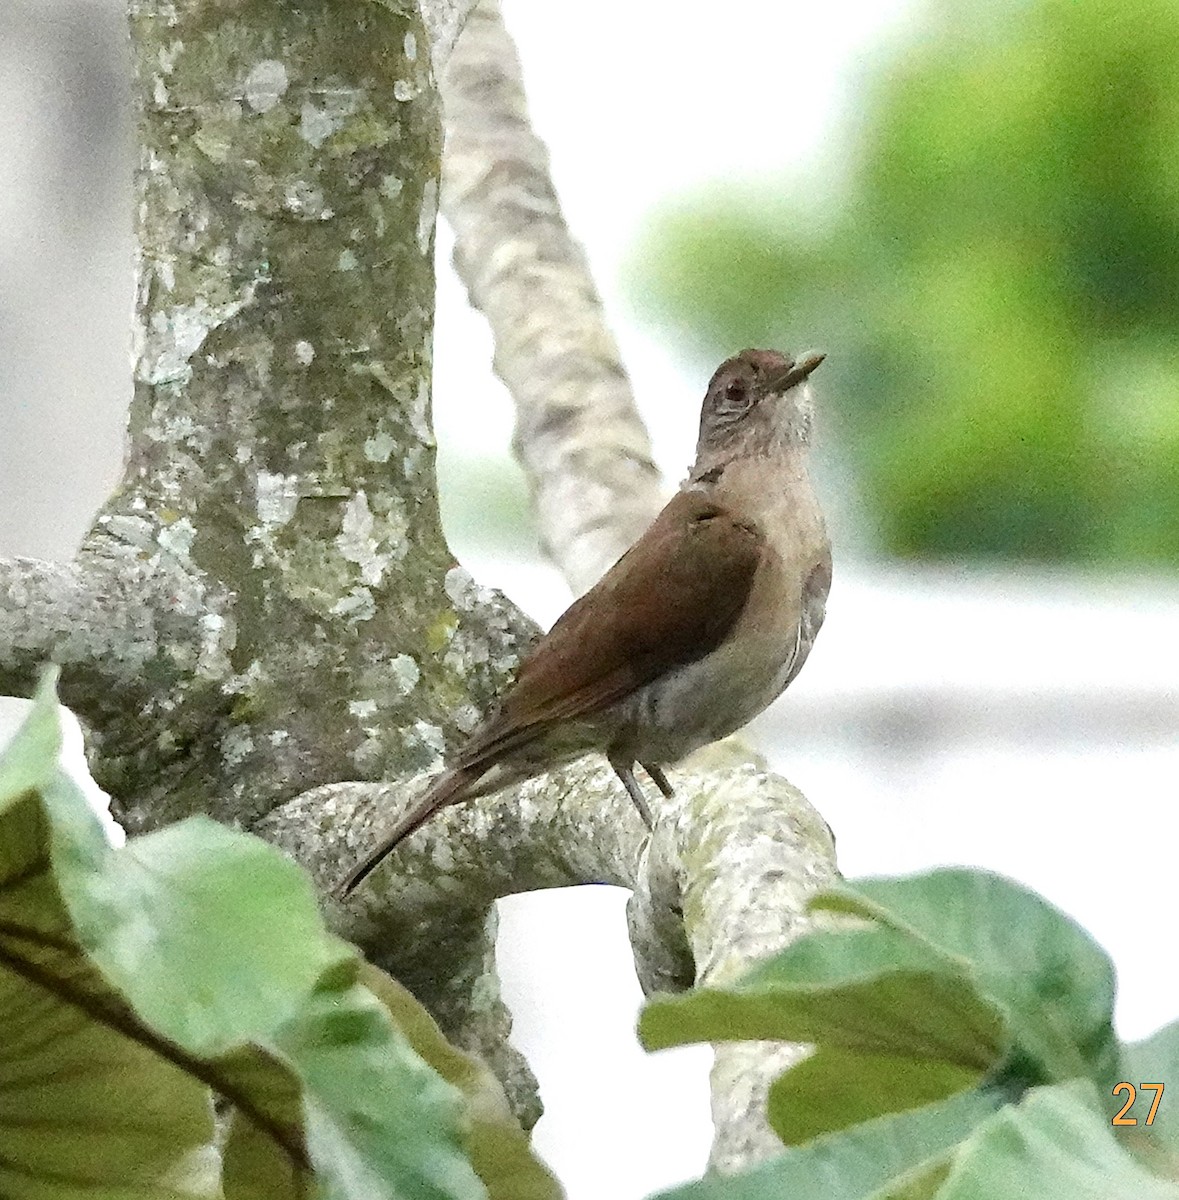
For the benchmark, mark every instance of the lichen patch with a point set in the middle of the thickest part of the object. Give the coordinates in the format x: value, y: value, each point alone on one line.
x: 265, y: 85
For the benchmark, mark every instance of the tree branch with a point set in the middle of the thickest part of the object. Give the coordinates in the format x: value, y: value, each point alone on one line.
x: 722, y: 883
x: 121, y: 628
x: 578, y: 434
x: 44, y: 603
x: 732, y: 872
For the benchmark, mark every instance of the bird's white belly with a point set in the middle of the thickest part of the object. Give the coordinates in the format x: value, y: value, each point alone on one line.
x: 706, y: 700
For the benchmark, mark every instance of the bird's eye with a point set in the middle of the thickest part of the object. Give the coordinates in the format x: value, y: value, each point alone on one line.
x: 736, y: 392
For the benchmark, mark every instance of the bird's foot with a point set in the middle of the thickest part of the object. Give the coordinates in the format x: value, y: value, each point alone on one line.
x: 659, y: 779
x: 625, y: 772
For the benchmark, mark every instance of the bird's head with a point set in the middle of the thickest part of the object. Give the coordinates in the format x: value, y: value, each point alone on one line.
x: 757, y: 401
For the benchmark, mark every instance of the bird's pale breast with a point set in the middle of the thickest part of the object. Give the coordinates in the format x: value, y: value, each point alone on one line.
x: 716, y: 695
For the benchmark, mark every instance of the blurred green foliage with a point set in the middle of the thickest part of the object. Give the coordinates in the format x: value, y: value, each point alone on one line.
x: 485, y: 505
x: 997, y: 282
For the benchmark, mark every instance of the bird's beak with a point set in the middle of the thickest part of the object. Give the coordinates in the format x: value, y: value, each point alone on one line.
x: 798, y: 372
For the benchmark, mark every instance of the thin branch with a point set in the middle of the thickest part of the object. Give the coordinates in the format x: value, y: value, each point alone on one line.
x: 579, y: 436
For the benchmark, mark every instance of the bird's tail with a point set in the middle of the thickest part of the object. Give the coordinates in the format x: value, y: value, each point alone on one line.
x: 449, y: 788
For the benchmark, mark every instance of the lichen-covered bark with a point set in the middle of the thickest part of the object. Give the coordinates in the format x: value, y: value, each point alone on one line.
x: 280, y: 436
x: 107, y: 619
x: 265, y: 623
x: 721, y: 883
x: 730, y: 876
x: 421, y: 916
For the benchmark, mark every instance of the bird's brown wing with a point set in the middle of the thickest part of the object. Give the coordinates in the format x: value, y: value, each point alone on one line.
x: 669, y: 600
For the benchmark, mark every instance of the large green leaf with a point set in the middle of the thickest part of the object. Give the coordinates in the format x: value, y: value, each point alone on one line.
x: 1056, y: 1142
x: 183, y: 922
x: 868, y: 1162
x: 265, y: 1155
x: 868, y: 989
x: 92, y: 1104
x: 88, y: 1107
x: 1053, y: 983
x: 943, y: 979
x: 258, y: 1168
x: 373, y: 1114
x: 920, y: 1184
x: 204, y: 947
x: 896, y: 1023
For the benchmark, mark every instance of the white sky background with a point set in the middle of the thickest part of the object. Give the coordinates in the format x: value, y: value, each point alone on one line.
x: 637, y: 101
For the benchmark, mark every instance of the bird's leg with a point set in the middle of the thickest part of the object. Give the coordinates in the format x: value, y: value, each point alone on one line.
x: 659, y: 778
x: 625, y: 771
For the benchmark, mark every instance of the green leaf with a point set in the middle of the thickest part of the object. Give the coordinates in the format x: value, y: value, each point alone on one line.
x: 1056, y: 1142
x: 834, y: 1088
x: 92, y: 1103
x: 897, y: 1025
x: 870, y: 1160
x: 88, y: 1106
x: 864, y: 989
x: 217, y: 981
x: 255, y: 1166
x: 204, y: 948
x: 499, y: 1150
x: 377, y: 1121
x: 921, y: 1184
x: 947, y: 977
x: 1053, y: 983
x: 29, y: 760
x: 265, y: 1155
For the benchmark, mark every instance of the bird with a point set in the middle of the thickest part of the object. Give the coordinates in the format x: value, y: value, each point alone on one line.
x: 694, y: 630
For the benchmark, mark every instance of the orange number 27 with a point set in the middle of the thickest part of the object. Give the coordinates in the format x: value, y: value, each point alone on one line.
x: 1128, y: 1090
